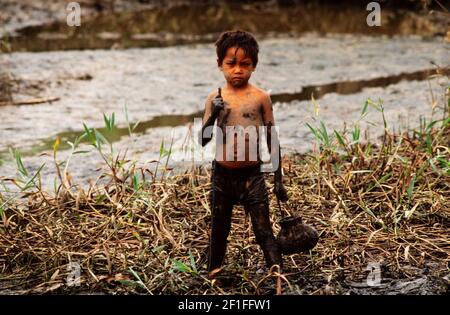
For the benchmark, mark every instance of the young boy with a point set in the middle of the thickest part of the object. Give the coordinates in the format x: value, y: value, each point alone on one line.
x: 236, y: 176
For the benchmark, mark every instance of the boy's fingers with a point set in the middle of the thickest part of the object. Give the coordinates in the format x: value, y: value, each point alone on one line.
x: 281, y: 194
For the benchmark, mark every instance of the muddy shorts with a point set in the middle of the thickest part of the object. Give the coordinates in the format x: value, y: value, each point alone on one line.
x: 245, y: 186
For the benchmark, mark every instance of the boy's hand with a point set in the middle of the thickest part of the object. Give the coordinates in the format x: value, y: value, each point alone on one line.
x: 218, y: 103
x: 280, y: 191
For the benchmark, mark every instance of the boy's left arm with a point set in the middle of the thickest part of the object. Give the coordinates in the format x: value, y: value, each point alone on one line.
x: 269, y: 122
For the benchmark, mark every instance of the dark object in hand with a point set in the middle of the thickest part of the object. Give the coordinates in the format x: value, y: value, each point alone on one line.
x: 218, y: 103
x: 295, y: 236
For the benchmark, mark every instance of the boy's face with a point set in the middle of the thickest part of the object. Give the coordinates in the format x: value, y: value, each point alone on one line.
x: 237, y: 67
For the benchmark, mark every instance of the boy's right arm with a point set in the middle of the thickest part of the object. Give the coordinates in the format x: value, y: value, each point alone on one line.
x: 212, y: 108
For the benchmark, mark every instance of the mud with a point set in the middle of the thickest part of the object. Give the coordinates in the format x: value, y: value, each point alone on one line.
x: 431, y: 279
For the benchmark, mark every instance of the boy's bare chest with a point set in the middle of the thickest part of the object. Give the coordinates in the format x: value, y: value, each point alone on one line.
x: 240, y: 112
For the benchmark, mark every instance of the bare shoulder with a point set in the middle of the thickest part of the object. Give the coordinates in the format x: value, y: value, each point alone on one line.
x: 265, y: 104
x: 262, y: 95
x: 212, y: 95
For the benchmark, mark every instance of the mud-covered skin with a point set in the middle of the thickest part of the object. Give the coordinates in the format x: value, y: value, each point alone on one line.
x: 244, y: 186
x: 244, y: 105
x: 244, y: 110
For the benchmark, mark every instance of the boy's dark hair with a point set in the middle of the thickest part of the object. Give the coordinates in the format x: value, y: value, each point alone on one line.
x: 242, y: 39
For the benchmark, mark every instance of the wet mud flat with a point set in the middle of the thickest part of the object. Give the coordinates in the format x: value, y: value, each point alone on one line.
x: 421, y: 281
x: 175, y: 81
x: 336, y: 111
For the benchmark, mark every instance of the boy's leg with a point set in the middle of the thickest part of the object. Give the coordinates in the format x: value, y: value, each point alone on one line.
x: 221, y: 210
x: 257, y: 204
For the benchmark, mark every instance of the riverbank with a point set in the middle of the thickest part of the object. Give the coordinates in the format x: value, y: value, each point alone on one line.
x: 160, y: 23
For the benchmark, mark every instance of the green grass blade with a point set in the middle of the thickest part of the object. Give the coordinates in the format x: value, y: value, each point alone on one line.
x: 339, y: 138
x: 316, y: 134
x: 324, y: 133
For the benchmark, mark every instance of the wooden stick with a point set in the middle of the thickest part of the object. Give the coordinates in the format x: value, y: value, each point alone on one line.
x: 31, y: 102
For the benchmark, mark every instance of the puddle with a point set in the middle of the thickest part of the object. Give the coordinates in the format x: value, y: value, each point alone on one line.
x: 189, y: 24
x: 116, y: 135
x: 350, y: 87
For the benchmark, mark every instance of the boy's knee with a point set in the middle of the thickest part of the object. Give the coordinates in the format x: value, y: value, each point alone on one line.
x: 259, y: 209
